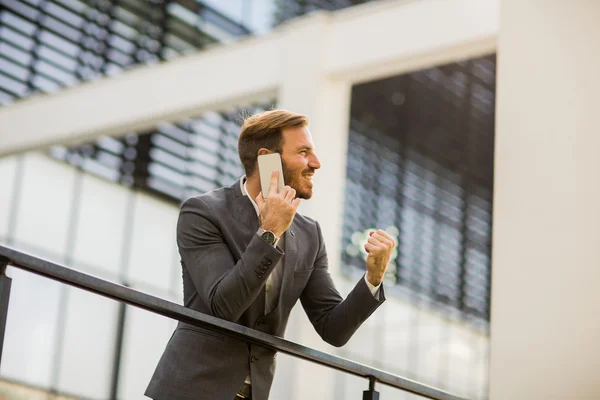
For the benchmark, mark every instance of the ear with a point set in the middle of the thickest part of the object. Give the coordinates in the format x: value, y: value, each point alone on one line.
x: 262, y: 151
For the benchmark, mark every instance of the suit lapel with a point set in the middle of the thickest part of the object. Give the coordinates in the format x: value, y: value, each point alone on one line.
x: 245, y: 214
x: 247, y: 224
x: 291, y: 251
x: 289, y: 263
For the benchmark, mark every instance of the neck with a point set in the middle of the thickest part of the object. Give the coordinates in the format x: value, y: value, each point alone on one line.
x: 253, y: 185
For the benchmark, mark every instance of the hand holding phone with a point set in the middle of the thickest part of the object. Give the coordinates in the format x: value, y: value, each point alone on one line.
x: 267, y: 163
x: 277, y: 203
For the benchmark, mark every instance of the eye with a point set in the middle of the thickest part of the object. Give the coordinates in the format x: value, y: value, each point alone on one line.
x: 303, y: 152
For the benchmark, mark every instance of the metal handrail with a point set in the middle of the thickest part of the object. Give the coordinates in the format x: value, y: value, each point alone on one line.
x: 15, y: 258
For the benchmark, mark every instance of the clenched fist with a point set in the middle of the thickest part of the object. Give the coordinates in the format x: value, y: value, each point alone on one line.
x: 379, y: 247
x: 278, y: 210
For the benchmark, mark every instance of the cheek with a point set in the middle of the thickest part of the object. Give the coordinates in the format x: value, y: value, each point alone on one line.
x: 298, y: 165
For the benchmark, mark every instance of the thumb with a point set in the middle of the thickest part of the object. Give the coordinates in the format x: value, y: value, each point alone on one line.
x: 296, y: 202
x: 260, y: 202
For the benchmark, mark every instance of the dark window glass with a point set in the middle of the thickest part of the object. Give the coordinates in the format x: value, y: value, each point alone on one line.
x: 420, y: 164
x: 174, y: 161
x: 62, y: 42
x: 288, y: 9
x: 48, y: 45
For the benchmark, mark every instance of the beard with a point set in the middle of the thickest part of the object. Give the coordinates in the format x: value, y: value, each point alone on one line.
x: 293, y: 178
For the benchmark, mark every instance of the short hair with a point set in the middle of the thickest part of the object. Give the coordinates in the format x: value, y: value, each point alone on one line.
x: 265, y: 130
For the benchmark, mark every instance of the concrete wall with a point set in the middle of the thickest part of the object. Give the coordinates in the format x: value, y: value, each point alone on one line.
x: 546, y: 250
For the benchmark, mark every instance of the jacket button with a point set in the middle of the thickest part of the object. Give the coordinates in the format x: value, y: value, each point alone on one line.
x: 252, y: 359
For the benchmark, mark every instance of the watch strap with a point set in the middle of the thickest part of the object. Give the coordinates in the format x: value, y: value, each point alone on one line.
x: 260, y: 233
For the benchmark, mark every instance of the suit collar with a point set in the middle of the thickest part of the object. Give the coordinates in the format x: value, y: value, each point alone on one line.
x: 238, y: 187
x: 243, y: 209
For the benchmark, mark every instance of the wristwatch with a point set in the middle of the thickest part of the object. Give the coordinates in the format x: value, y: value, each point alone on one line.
x: 268, y: 236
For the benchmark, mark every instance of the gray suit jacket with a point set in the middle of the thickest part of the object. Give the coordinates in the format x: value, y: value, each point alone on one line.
x: 225, y: 267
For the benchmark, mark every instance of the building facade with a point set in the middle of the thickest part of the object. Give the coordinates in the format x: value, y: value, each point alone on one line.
x: 416, y: 158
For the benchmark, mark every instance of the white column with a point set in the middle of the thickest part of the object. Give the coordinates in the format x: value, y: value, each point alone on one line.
x: 306, y: 89
x: 545, y: 325
x: 326, y: 101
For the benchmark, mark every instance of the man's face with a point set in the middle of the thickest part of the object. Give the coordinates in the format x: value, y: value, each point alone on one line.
x: 299, y: 161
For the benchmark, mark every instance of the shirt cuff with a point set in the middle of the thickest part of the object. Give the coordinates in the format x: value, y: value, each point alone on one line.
x: 374, y: 289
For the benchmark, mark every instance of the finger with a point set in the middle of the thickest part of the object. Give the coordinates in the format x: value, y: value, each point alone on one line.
x: 370, y: 247
x: 290, y: 194
x: 379, y: 248
x: 388, y: 242
x: 259, y: 200
x: 385, y: 234
x: 373, y: 241
x: 378, y: 239
x: 284, y: 190
x: 296, y: 202
x: 274, y: 182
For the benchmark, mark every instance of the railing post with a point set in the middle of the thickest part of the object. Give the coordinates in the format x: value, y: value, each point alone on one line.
x: 5, y: 283
x: 371, y: 394
x: 119, y: 337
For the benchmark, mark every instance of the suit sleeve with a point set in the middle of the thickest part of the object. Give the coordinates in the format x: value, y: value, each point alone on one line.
x: 226, y: 286
x: 336, y: 319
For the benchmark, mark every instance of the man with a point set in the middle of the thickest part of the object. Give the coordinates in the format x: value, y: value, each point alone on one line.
x: 248, y: 260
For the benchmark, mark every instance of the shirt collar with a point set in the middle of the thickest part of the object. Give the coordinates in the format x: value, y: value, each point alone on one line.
x: 245, y: 193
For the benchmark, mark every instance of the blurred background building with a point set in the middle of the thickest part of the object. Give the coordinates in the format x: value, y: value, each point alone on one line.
x: 402, y: 101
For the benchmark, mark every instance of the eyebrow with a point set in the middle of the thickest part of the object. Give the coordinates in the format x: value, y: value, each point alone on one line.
x: 305, y: 148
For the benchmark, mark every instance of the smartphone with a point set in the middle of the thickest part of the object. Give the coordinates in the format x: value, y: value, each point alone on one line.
x: 267, y: 163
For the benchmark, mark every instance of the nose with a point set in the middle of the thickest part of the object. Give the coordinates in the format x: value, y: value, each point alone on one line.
x: 314, y: 162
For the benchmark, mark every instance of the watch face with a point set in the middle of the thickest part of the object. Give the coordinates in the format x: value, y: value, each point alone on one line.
x: 268, y: 237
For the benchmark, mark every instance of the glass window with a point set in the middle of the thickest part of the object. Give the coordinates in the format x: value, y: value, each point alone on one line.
x: 152, y: 239
x: 419, y: 166
x: 31, y: 329
x: 8, y: 170
x: 101, y: 39
x: 45, y: 204
x: 233, y: 9
x: 86, y: 359
x: 101, y: 224
x: 260, y: 15
x: 142, y: 348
